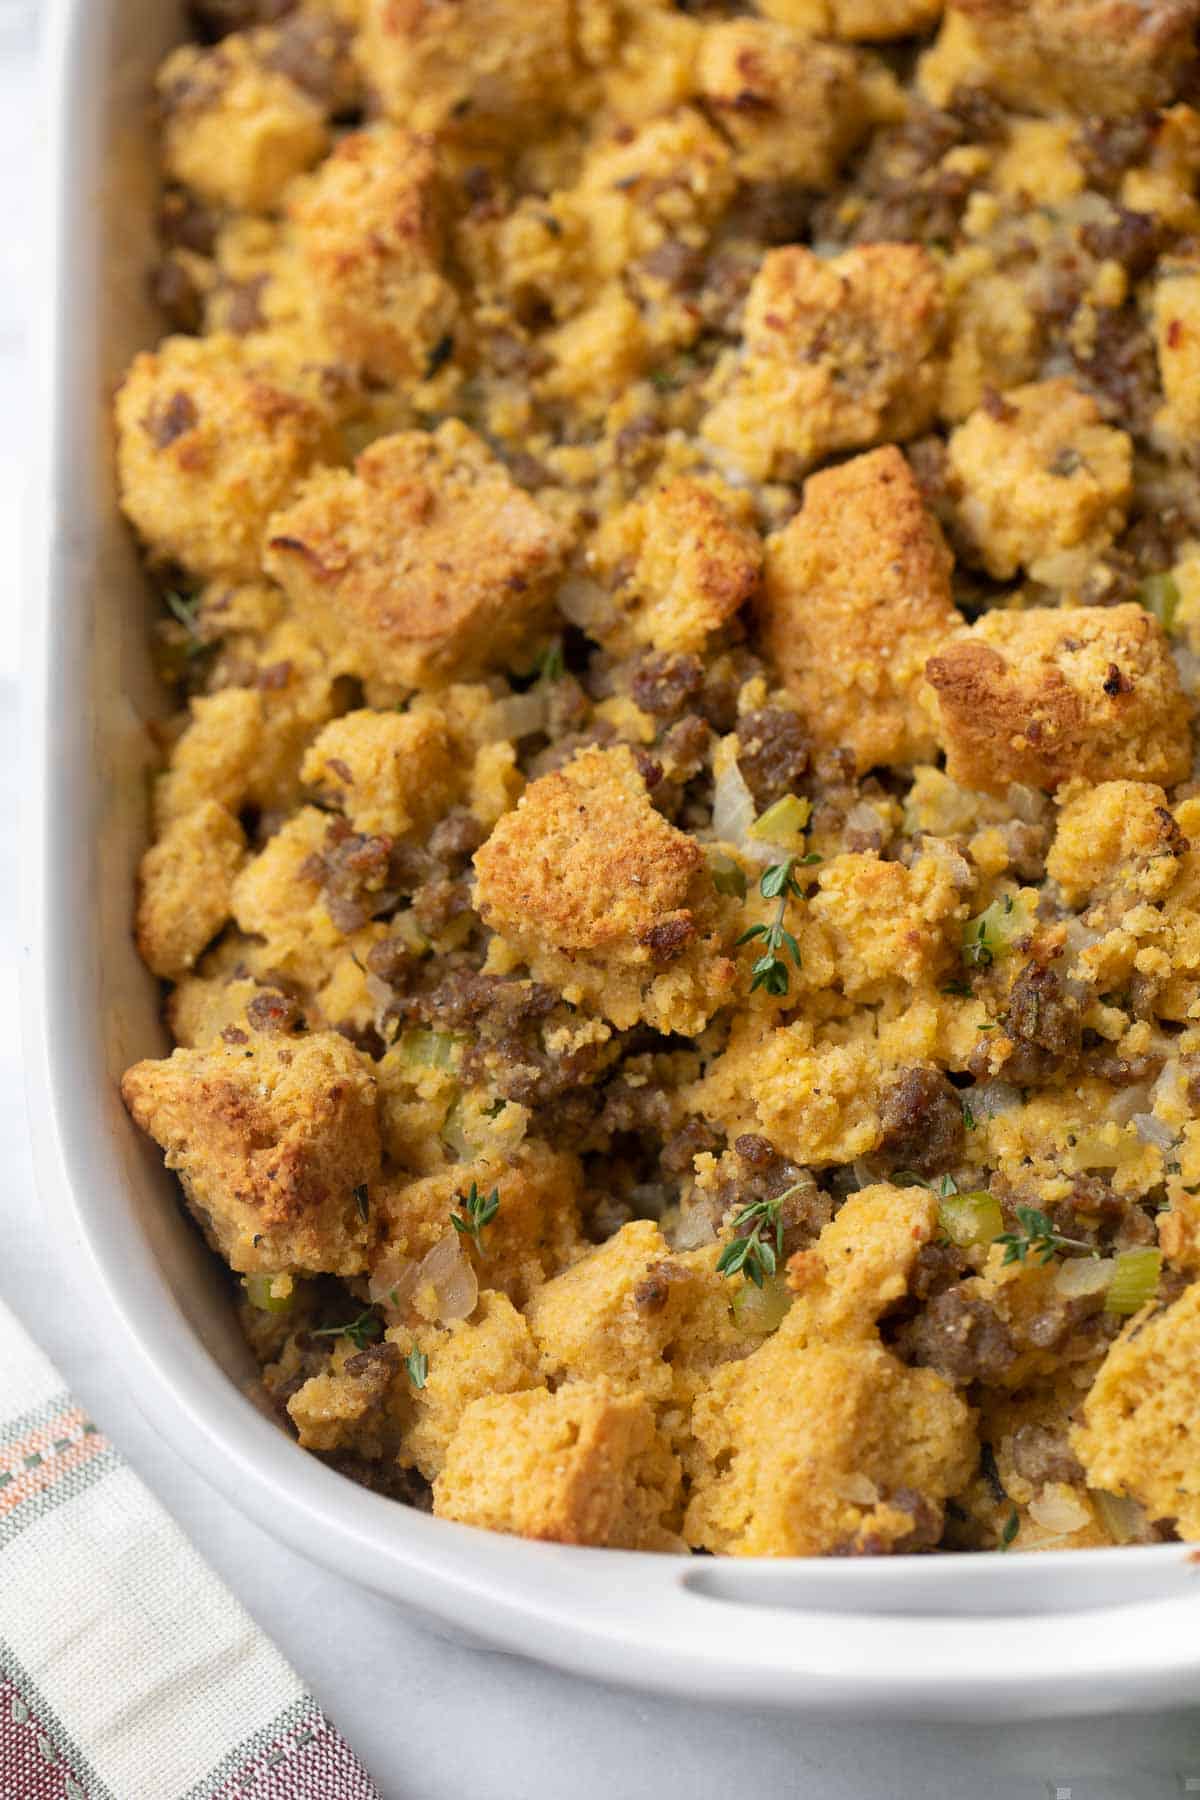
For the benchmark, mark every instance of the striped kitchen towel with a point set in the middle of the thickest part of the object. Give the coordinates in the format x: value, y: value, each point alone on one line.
x: 127, y: 1671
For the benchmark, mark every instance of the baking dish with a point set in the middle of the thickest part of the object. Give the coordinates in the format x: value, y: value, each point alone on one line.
x: 963, y: 1637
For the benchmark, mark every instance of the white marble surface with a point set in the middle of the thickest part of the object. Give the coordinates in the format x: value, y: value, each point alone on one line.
x: 432, y: 1720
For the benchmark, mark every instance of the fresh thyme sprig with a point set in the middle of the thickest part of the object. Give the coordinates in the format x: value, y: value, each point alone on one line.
x: 752, y: 1254
x: 417, y: 1364
x: 361, y: 1331
x: 770, y: 971
x: 1037, y: 1237
x: 478, y: 1211
x: 757, y: 1244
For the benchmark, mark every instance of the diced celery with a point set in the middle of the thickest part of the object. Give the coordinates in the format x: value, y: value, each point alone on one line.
x: 1159, y: 594
x: 1122, y: 1519
x: 454, y: 1132
x: 728, y: 877
x: 783, y: 823
x: 992, y: 933
x: 261, y: 1292
x: 1134, y: 1281
x: 428, y: 1049
x: 971, y: 1218
x: 762, y: 1309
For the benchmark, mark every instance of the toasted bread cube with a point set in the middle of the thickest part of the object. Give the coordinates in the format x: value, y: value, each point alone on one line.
x: 370, y: 232
x: 237, y: 127
x: 838, y: 355
x: 679, y: 566
x: 1176, y: 312
x: 352, y: 1405
x: 185, y: 888
x: 428, y: 559
x: 667, y: 182
x: 1042, y: 483
x: 490, y: 1353
x: 861, y: 1264
x: 856, y: 600
x: 1112, y: 57
x: 270, y: 1138
x: 535, y: 1231
x: 864, y: 20
x: 208, y: 446
x: 811, y: 1449
x: 389, y: 772
x: 1042, y: 695
x: 1117, y: 836
x: 582, y: 1466
x: 1140, y: 1434
x: 604, y: 899
x: 484, y: 67
x: 794, y: 109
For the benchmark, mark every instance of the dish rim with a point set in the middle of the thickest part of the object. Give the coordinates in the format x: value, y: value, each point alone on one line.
x: 920, y: 1637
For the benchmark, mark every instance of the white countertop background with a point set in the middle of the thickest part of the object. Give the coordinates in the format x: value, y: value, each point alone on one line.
x: 431, y: 1719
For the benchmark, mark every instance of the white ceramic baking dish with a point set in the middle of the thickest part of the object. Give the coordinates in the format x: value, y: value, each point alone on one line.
x: 972, y: 1638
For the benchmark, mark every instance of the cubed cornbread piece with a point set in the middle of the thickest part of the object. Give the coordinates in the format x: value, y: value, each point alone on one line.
x: 535, y: 1233
x: 490, y: 1353
x: 488, y: 67
x: 370, y: 230
x: 1041, y: 482
x: 1042, y: 695
x: 811, y: 1449
x: 428, y: 559
x: 617, y: 1312
x: 1176, y: 314
x: 1141, y: 1420
x: 237, y: 128
x: 886, y: 923
x: 351, y: 1405
x: 243, y: 745
x: 604, y: 899
x: 838, y: 354
x: 1119, y: 836
x: 1111, y: 57
x: 793, y: 108
x: 668, y: 181
x: 389, y: 772
x: 185, y: 888
x: 208, y: 446
x: 856, y: 599
x: 585, y: 1465
x: 278, y: 897
x: 270, y: 1137
x: 860, y: 1265
x: 855, y: 19
x: 817, y: 1104
x: 679, y: 566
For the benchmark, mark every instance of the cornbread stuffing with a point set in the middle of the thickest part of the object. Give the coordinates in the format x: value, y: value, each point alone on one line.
x: 675, y: 856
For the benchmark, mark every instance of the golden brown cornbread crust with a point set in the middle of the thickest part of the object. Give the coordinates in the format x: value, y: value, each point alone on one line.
x: 675, y: 853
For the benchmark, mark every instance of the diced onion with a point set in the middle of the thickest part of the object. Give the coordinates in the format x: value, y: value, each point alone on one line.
x: 395, y: 1280
x: 991, y: 1098
x: 1058, y: 1509
x: 453, y: 1278
x: 1154, y: 1131
x: 695, y: 1229
x: 583, y: 602
x: 518, y: 716
x: 455, y: 1135
x: 1122, y: 1518
x: 1083, y: 1275
x: 733, y: 813
x: 1134, y: 1280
